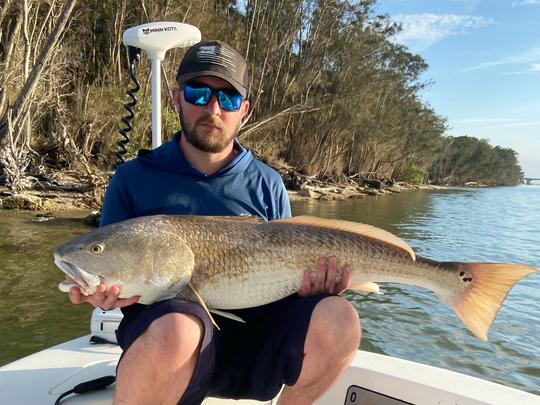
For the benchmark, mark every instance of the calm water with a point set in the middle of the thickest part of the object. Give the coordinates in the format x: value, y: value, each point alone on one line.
x: 468, y: 225
x: 500, y: 224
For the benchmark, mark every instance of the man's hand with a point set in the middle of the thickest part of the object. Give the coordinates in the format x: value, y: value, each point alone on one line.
x: 101, y: 298
x: 326, y: 279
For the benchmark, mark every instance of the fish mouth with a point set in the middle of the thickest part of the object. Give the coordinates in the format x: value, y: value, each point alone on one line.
x: 77, y: 277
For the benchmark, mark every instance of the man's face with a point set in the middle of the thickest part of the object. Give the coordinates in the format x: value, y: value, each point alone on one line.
x: 209, y: 128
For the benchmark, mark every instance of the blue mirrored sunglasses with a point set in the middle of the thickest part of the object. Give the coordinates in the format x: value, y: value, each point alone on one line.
x: 201, y: 94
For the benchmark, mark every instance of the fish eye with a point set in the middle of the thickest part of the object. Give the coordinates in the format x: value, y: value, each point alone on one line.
x: 97, y: 248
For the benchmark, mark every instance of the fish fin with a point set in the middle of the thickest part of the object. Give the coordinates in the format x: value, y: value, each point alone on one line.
x: 368, y: 286
x: 239, y: 218
x: 353, y: 227
x: 478, y: 304
x: 203, y: 304
x: 227, y: 315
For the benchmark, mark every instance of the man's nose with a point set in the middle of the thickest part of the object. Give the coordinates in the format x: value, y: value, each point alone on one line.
x: 213, y: 106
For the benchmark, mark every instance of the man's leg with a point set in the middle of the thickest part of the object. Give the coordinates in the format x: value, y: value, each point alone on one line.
x: 157, y: 367
x: 332, y: 340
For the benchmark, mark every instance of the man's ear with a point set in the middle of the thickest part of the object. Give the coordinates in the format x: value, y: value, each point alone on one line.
x: 176, y: 94
x: 244, y: 108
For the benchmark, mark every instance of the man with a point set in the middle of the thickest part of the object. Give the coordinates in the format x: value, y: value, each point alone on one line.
x: 171, y: 349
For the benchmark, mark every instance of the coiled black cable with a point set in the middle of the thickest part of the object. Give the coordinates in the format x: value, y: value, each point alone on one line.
x: 92, y: 385
x: 134, y: 56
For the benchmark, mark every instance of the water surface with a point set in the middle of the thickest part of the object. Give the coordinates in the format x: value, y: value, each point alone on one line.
x: 34, y: 314
x: 501, y: 224
x: 495, y: 224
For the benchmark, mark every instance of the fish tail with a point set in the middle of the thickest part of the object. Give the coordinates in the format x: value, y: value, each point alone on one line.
x: 489, y: 284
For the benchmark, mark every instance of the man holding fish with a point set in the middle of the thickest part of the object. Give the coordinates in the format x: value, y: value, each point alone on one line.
x: 172, y: 352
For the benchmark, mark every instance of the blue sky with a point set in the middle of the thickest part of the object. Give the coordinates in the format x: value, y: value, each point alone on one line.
x: 484, y: 57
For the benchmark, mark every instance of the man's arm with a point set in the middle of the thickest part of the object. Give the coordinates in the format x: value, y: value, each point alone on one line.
x: 284, y: 204
x: 117, y: 204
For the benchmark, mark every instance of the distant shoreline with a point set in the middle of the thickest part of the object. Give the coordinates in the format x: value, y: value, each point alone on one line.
x: 339, y: 193
x: 75, y: 195
x: 69, y: 191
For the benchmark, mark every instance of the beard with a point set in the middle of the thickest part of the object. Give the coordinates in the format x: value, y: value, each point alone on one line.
x: 207, y: 139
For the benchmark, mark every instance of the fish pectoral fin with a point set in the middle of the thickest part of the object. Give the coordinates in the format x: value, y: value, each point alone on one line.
x: 227, y: 315
x: 368, y: 286
x: 203, y: 304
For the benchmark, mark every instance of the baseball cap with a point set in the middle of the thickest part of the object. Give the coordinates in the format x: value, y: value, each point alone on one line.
x: 214, y: 58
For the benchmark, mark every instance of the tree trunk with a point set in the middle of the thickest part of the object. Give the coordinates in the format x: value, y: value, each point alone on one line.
x: 22, y: 103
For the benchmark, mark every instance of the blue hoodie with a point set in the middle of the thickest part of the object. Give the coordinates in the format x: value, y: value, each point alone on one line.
x: 161, y: 181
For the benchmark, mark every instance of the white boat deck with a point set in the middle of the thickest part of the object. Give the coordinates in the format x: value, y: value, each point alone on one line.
x: 371, y: 379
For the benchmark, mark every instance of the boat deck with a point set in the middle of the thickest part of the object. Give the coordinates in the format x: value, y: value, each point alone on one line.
x: 371, y: 379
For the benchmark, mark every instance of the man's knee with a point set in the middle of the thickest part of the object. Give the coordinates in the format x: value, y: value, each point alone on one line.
x: 174, y: 333
x: 335, y: 325
x: 166, y: 352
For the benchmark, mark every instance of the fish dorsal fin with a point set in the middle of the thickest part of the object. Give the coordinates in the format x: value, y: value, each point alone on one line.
x: 240, y: 218
x: 353, y: 227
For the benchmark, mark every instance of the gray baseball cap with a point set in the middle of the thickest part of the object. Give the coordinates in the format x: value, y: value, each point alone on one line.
x: 214, y: 58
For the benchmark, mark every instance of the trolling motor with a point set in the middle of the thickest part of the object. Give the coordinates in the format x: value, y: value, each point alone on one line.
x: 155, y: 39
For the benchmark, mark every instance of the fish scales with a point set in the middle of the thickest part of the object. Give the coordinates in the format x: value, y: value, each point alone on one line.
x: 237, y: 262
x: 255, y: 263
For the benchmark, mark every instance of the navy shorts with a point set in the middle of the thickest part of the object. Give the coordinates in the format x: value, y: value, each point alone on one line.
x: 249, y: 360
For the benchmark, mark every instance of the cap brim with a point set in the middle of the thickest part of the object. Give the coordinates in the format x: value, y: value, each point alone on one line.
x: 188, y: 76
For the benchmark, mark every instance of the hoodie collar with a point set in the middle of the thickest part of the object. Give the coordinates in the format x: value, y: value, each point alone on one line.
x: 170, y: 158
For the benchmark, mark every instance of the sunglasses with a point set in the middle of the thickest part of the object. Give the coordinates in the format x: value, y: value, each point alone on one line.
x: 200, y: 94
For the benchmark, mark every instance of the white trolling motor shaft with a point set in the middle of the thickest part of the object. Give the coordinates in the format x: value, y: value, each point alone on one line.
x: 155, y: 39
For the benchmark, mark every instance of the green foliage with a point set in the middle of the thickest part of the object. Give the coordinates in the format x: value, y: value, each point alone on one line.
x: 414, y: 175
x: 467, y: 159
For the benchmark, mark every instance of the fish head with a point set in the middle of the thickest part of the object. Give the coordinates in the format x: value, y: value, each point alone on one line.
x: 143, y: 256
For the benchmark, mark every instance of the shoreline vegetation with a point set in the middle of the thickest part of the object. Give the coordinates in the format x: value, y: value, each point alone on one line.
x: 335, y: 101
x: 68, y: 192
x: 71, y: 194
